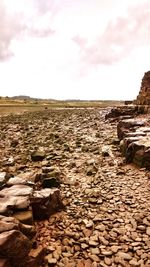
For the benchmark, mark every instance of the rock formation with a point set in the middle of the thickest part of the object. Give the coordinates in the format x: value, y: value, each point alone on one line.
x: 144, y: 94
x: 135, y: 140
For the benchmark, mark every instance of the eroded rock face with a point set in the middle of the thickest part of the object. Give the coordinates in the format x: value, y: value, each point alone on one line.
x: 122, y: 111
x: 135, y: 141
x: 144, y: 94
x: 126, y: 127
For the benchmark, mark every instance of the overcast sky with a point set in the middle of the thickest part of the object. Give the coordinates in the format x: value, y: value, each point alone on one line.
x: 74, y: 49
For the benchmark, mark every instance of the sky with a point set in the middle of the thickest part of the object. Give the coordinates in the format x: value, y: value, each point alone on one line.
x: 74, y: 49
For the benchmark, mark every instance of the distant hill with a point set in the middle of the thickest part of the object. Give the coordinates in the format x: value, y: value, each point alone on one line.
x: 28, y: 98
x: 23, y: 97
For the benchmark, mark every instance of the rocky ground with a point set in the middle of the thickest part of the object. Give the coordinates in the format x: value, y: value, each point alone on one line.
x: 106, y: 219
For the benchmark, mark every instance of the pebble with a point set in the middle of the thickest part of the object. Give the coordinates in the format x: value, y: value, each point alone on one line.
x: 108, y: 261
x: 148, y: 231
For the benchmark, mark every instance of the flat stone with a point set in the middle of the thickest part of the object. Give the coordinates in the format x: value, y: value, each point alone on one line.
x: 16, y: 190
x: 93, y: 243
x: 12, y: 203
x: 25, y: 217
x: 125, y: 256
x: 16, y: 181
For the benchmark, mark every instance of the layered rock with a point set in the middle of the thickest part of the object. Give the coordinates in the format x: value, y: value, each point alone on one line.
x: 144, y: 94
x: 135, y: 141
x: 20, y: 205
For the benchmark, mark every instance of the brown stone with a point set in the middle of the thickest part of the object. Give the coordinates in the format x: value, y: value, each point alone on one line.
x: 16, y: 190
x: 15, y: 246
x: 144, y: 94
x: 4, y: 263
x: 45, y: 202
x: 36, y: 257
x: 10, y: 203
x: 25, y: 217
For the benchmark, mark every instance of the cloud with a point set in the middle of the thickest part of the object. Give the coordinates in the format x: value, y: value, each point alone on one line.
x: 120, y: 38
x: 21, y: 23
x: 9, y: 29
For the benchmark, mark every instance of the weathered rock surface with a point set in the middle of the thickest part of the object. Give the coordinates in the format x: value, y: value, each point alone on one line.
x: 45, y: 202
x: 135, y: 144
x: 15, y: 246
x: 16, y: 190
x: 106, y: 220
x: 2, y: 179
x: 123, y: 111
x: 144, y: 94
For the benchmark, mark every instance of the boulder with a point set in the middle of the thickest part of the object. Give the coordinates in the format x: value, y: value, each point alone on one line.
x: 11, y: 223
x: 135, y: 141
x: 144, y: 95
x: 45, y: 202
x: 139, y: 152
x: 130, y: 125
x: 14, y: 246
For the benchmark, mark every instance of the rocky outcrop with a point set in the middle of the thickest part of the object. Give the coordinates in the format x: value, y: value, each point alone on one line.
x: 20, y: 205
x: 135, y: 140
x: 122, y: 111
x: 144, y: 94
